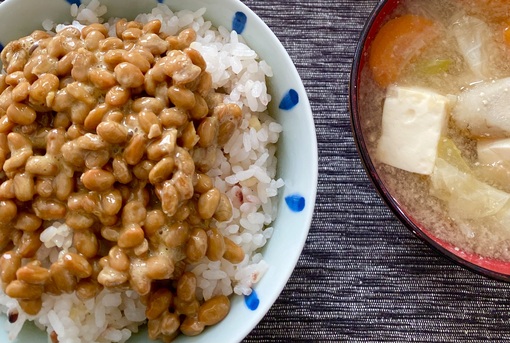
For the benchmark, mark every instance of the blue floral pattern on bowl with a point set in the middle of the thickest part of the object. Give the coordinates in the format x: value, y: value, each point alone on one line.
x: 289, y: 100
x: 295, y: 202
x: 252, y: 301
x: 239, y: 22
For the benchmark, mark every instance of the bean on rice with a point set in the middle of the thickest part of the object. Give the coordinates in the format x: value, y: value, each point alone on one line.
x: 147, y: 128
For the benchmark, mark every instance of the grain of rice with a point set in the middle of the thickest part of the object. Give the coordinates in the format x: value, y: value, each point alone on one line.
x: 203, y: 283
x: 231, y: 229
x: 112, y: 335
x: 214, y: 274
x: 209, y: 291
x: 262, y: 159
x: 251, y: 200
x: 275, y: 127
x: 248, y: 207
x: 93, y: 6
x: 236, y: 239
x: 255, y: 143
x: 262, y: 135
x: 74, y: 10
x: 48, y: 24
x: 199, y: 269
x: 256, y: 218
x: 266, y: 69
x: 99, y: 317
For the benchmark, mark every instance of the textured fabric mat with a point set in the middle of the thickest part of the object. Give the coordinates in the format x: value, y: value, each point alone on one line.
x: 362, y: 276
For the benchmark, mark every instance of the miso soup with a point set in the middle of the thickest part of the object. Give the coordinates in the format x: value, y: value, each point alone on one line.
x: 436, y: 117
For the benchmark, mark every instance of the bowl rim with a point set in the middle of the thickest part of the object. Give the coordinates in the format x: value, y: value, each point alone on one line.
x: 377, y: 17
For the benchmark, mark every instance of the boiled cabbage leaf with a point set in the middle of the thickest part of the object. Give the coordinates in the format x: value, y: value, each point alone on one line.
x: 448, y: 151
x: 474, y: 40
x: 453, y: 182
x: 467, y: 197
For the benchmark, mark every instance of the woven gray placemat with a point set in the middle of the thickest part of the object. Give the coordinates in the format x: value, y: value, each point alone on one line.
x: 362, y: 276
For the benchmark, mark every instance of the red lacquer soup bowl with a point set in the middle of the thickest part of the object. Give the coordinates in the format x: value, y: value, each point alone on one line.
x: 490, y: 267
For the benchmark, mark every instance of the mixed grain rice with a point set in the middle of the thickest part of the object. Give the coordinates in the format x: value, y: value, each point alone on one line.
x: 245, y: 171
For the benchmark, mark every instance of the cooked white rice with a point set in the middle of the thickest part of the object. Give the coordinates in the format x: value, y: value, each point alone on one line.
x: 246, y: 172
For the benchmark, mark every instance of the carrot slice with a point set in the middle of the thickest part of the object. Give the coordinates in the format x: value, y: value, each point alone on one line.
x: 506, y: 34
x: 399, y: 41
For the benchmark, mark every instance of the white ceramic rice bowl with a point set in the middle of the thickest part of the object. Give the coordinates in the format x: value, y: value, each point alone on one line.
x: 297, y: 147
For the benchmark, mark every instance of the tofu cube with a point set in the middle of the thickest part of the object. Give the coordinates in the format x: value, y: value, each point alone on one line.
x: 413, y: 121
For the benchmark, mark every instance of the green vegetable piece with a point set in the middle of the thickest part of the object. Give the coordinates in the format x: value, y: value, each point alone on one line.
x: 448, y: 151
x: 436, y: 66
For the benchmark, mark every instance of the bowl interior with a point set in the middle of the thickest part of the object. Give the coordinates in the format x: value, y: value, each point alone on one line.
x: 297, y: 147
x: 493, y: 268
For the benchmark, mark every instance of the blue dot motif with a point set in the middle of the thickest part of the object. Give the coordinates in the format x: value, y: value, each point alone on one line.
x: 252, y: 300
x: 239, y: 22
x: 289, y: 100
x: 295, y: 202
x: 1, y: 47
x: 72, y: 2
x: 161, y: 1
